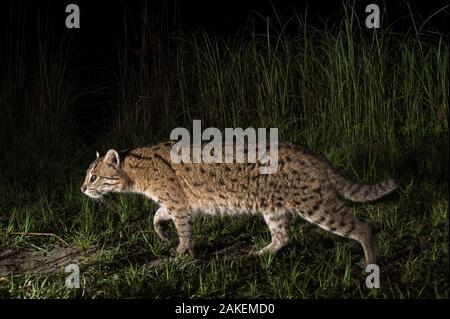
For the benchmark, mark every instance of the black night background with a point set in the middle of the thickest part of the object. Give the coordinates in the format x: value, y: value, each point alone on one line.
x: 374, y: 102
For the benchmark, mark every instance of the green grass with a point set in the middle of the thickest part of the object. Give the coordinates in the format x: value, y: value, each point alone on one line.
x: 374, y: 103
x: 412, y: 244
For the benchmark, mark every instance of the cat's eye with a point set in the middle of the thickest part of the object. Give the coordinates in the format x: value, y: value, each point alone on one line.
x: 93, y: 178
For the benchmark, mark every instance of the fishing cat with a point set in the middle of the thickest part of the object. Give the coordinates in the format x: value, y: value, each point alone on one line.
x: 304, y: 184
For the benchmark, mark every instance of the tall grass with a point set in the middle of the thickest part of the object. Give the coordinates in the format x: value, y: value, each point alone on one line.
x: 39, y: 93
x: 371, y: 99
x: 144, y: 84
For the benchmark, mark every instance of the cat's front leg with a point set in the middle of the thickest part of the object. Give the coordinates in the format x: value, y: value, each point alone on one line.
x: 162, y: 215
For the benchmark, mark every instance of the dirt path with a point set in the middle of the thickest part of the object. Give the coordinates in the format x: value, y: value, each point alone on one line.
x: 53, y: 259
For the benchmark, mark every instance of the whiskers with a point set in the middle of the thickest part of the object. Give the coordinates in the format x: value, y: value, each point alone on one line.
x: 106, y: 197
x: 102, y: 198
x: 99, y: 200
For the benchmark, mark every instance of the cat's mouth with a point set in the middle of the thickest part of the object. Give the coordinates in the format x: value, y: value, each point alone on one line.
x: 93, y: 195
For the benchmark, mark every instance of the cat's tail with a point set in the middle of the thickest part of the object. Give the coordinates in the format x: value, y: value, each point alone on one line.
x: 360, y: 193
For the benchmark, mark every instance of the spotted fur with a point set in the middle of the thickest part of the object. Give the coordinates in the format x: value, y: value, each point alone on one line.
x: 305, y: 184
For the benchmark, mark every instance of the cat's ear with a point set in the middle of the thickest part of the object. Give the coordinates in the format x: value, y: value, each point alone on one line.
x: 112, y: 157
x: 97, y: 154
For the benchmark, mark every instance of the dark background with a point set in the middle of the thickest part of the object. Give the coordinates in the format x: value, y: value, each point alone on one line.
x: 103, y: 27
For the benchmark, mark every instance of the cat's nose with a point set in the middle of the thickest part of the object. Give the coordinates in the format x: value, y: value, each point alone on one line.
x: 83, y: 188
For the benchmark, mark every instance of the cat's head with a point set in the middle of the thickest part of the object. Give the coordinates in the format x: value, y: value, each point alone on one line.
x: 105, y: 175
